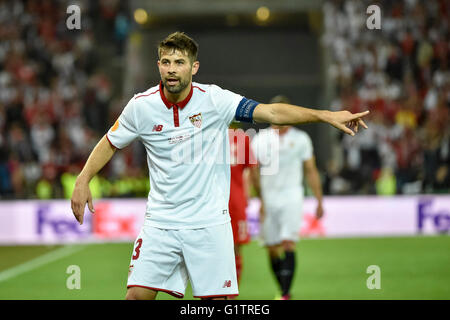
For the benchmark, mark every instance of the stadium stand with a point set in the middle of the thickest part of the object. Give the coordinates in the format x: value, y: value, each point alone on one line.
x: 55, y: 96
x: 56, y: 99
x: 401, y: 73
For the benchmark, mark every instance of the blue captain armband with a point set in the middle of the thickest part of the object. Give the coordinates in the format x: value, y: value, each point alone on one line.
x: 244, y: 111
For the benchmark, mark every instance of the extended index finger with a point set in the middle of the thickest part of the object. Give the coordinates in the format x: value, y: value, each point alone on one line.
x: 360, y: 114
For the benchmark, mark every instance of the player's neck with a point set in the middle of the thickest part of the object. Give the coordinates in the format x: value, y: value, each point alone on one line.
x: 282, y: 131
x: 177, y: 97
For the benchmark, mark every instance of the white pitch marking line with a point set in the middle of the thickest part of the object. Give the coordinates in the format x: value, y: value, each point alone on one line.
x: 39, y: 261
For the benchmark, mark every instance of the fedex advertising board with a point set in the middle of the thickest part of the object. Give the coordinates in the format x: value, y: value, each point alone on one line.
x: 53, y: 221
x: 39, y: 222
x: 369, y: 216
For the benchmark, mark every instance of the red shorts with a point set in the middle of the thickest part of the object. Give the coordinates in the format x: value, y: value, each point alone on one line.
x: 239, y: 225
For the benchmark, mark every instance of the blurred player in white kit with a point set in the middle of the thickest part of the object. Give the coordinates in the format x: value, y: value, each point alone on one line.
x: 281, y: 193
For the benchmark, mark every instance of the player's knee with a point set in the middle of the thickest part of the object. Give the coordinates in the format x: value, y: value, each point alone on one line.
x: 216, y: 298
x: 131, y: 295
x: 288, y: 245
x: 135, y: 293
x: 274, y: 251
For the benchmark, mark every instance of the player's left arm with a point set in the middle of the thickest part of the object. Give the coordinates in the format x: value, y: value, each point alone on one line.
x: 286, y: 114
x: 313, y: 180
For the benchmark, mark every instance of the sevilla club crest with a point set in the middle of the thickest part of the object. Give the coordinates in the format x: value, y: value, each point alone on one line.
x: 196, y: 120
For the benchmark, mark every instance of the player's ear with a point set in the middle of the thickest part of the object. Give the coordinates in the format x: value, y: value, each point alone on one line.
x: 195, y: 67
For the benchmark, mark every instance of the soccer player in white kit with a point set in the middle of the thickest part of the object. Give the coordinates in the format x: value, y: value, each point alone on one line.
x: 184, y: 127
x: 281, y: 193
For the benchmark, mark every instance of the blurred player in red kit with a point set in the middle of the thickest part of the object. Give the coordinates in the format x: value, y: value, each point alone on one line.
x: 241, y: 159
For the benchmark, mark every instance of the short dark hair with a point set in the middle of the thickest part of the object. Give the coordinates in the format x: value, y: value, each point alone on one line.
x: 280, y: 99
x: 179, y: 41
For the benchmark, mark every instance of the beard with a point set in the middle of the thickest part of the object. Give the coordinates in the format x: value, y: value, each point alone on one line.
x: 175, y: 89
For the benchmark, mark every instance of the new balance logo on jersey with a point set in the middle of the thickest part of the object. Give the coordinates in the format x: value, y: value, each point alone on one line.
x: 130, y: 269
x: 157, y: 127
x: 227, y: 284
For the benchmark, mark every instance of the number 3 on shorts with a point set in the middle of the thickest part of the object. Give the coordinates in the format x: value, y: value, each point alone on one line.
x: 137, y: 251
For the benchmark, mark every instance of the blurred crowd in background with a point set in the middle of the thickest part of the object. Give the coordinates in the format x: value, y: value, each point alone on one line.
x: 56, y: 101
x: 401, y: 73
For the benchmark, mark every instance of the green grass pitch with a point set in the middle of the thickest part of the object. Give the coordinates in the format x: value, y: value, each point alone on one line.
x: 410, y: 268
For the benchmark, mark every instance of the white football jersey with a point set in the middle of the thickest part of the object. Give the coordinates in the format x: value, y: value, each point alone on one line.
x: 188, y: 151
x: 284, y: 155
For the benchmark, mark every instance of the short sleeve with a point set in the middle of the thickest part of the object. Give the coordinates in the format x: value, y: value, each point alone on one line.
x: 226, y: 102
x: 306, y: 149
x: 124, y: 130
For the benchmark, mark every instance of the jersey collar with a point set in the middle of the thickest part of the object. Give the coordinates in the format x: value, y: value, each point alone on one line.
x: 282, y: 134
x: 169, y: 104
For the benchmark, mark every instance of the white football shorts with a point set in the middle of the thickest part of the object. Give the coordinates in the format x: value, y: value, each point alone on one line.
x: 282, y: 221
x: 165, y: 259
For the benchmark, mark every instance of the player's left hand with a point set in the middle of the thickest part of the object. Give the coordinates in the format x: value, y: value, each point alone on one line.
x: 80, y: 196
x: 319, y: 211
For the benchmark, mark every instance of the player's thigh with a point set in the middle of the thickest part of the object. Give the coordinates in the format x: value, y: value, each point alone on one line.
x: 210, y: 261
